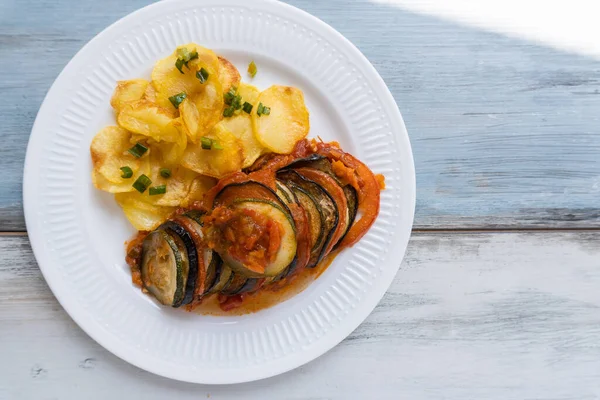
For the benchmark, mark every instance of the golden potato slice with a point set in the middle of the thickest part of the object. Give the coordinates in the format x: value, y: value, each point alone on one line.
x: 146, y: 118
x: 228, y: 74
x: 171, y: 152
x: 209, y: 103
x: 143, y: 215
x: 168, y: 81
x: 190, y: 118
x: 127, y: 92
x: 178, y: 185
x: 100, y: 182
x: 109, y: 153
x: 215, y: 163
x: 200, y: 185
x: 240, y: 125
x: 150, y: 93
x: 288, y: 121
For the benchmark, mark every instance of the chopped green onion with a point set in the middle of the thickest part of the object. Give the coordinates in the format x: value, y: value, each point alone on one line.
x: 247, y: 107
x: 202, y: 75
x: 138, y: 150
x: 263, y: 110
x: 228, y: 112
x: 141, y: 183
x: 184, y: 57
x: 127, y: 172
x: 210, y: 144
x: 206, y: 143
x: 179, y: 64
x: 252, y: 69
x: 177, y: 99
x: 236, y: 103
x: 162, y: 189
x: 229, y: 96
x: 183, y: 53
x: 165, y: 172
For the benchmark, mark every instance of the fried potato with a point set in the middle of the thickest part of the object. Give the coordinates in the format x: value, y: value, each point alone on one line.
x: 127, y: 92
x: 241, y: 126
x: 146, y: 118
x: 190, y: 117
x: 288, y: 121
x: 228, y: 74
x: 178, y: 185
x: 215, y: 163
x: 143, y: 215
x: 168, y: 81
x: 171, y: 152
x: 200, y: 185
x: 150, y: 93
x: 109, y: 153
x: 209, y: 103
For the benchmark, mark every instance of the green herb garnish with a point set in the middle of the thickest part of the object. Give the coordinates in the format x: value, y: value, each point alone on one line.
x: 247, y: 107
x: 210, y: 144
x: 177, y: 99
x: 228, y: 97
x: 228, y: 112
x: 138, y: 150
x: 202, y: 75
x: 184, y: 57
x: 162, y: 189
x: 142, y: 183
x: 252, y: 69
x: 127, y: 172
x: 165, y: 172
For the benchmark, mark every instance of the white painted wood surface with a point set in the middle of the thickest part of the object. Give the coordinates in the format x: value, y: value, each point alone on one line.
x: 469, y: 316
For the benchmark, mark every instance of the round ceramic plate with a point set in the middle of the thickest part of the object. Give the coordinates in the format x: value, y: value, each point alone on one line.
x: 78, y: 233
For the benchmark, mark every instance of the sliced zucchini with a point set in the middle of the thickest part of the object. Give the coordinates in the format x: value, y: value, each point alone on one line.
x: 246, y: 190
x: 287, y: 249
x: 315, y: 217
x: 192, y: 257
x: 285, y: 194
x: 164, y: 267
x: 225, y: 277
x: 325, y: 205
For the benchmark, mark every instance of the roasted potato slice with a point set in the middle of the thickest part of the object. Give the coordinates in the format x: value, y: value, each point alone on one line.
x: 209, y: 103
x: 143, y: 215
x: 215, y: 163
x: 240, y: 125
x: 190, y: 118
x: 168, y: 81
x: 288, y: 121
x: 109, y: 153
x: 200, y: 185
x: 127, y: 92
x: 146, y: 118
x: 150, y: 93
x: 228, y: 74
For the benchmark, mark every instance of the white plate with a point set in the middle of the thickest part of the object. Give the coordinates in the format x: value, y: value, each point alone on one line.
x: 77, y: 233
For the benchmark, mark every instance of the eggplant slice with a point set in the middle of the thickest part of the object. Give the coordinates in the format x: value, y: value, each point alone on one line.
x: 325, y: 206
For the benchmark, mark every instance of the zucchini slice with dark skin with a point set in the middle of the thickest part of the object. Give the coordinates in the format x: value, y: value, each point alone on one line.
x: 325, y: 205
x: 164, y: 266
x: 240, y: 284
x: 287, y: 249
x: 225, y: 277
x: 192, y: 259
x: 315, y: 218
x: 285, y: 194
x: 322, y: 163
x: 330, y: 185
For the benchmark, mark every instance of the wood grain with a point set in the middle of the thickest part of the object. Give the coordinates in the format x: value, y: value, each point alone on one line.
x: 505, y: 132
x: 469, y: 316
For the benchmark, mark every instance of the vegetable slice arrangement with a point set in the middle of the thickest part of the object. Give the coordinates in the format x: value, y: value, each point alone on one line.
x: 228, y: 195
x: 264, y: 226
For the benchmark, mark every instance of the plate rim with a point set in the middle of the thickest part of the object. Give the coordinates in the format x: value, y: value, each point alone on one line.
x: 88, y: 325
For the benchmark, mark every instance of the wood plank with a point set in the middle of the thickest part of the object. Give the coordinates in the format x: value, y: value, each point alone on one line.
x: 505, y: 132
x: 469, y: 316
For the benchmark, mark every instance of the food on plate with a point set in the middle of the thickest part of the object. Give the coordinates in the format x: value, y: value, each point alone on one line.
x: 232, y: 204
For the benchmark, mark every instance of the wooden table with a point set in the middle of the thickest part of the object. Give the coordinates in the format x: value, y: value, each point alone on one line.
x: 499, y: 294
